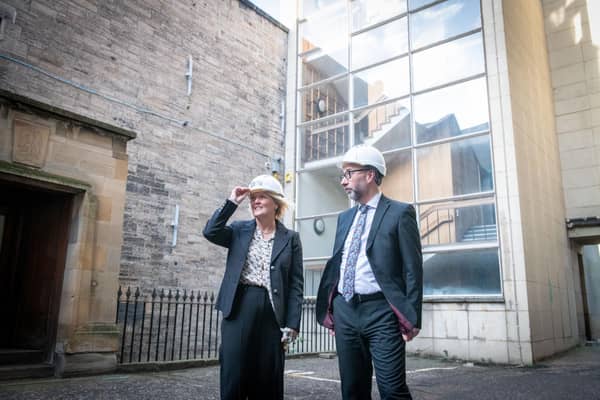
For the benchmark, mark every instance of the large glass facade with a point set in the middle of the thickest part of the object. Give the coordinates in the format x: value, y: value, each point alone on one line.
x: 408, y: 77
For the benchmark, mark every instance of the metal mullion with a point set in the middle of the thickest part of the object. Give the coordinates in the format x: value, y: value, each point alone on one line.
x: 461, y: 298
x: 452, y: 139
x: 377, y: 64
x: 324, y: 119
x: 413, y: 125
x: 383, y: 103
x: 447, y: 40
x: 328, y: 214
x: 457, y: 246
x: 435, y: 3
x: 459, y: 197
x: 456, y: 82
x: 298, y: 140
x: 323, y: 258
x: 322, y: 81
x: 378, y: 24
x: 498, y: 236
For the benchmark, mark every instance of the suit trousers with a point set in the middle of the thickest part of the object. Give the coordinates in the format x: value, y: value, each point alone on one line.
x: 367, y: 334
x: 251, y: 354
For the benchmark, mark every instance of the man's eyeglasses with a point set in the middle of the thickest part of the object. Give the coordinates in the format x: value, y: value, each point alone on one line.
x: 348, y: 173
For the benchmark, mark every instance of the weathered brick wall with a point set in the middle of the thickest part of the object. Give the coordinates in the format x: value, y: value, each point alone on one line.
x: 136, y: 52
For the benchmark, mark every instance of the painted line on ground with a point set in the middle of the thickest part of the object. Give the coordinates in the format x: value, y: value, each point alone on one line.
x: 415, y: 371
x: 306, y: 375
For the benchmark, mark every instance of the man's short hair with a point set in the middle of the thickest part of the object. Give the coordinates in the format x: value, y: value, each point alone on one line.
x: 377, y: 174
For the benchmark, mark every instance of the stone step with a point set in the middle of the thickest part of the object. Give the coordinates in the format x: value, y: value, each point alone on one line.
x: 10, y: 372
x: 20, y: 356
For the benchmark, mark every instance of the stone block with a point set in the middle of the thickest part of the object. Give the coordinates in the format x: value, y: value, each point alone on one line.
x: 572, y: 105
x: 70, y: 365
x: 573, y: 122
x: 30, y: 142
x: 94, y: 337
x: 566, y: 56
x: 104, y: 208
x: 577, y: 140
x: 568, y: 75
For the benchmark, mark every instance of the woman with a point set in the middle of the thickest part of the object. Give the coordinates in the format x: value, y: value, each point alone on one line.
x: 261, y: 293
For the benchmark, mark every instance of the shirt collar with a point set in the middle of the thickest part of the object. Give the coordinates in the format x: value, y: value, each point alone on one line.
x: 374, y: 201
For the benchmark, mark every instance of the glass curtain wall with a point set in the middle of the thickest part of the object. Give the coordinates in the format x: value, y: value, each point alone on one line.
x: 408, y: 77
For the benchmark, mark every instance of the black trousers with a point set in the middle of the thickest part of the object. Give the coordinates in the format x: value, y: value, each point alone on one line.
x: 251, y: 353
x: 366, y: 334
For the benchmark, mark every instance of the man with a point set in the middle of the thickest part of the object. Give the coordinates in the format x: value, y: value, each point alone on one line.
x: 371, y: 290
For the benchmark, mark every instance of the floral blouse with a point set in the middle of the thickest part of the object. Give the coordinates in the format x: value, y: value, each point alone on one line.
x: 256, y: 268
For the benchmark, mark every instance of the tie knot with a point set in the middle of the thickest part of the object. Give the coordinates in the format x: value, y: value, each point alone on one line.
x: 363, y: 208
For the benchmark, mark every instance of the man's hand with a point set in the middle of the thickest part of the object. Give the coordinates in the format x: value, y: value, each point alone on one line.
x: 410, y: 335
x: 238, y: 194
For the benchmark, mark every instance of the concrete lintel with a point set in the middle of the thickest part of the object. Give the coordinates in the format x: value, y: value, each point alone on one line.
x: 585, y: 234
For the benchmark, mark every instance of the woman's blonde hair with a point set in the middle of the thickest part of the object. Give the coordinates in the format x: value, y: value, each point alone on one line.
x: 281, y: 204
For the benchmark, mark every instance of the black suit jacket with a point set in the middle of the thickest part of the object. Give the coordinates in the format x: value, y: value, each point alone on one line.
x: 394, y: 252
x: 287, y: 281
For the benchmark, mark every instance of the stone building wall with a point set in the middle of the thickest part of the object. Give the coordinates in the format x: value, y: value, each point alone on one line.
x: 124, y: 63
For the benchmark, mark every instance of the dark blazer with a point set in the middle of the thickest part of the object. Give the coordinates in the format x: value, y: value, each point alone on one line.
x: 287, y: 281
x: 394, y: 252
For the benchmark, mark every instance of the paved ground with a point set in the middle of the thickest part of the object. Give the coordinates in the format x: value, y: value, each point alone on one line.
x: 575, y: 375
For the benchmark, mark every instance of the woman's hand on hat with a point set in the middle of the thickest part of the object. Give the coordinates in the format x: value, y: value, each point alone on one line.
x: 239, y: 193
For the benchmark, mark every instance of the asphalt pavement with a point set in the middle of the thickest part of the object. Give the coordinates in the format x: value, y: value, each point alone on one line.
x: 573, y: 375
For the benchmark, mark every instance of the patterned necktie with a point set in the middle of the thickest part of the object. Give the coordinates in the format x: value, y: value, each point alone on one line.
x: 353, y: 250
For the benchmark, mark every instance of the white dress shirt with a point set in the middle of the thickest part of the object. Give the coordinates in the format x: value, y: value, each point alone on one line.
x: 364, y: 280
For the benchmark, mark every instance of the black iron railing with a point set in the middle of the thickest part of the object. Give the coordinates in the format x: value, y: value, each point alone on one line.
x: 171, y: 325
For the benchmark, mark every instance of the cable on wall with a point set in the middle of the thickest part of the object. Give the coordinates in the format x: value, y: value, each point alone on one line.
x: 144, y: 110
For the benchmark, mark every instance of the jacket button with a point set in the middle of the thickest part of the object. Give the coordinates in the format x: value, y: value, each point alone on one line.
x: 274, y: 291
x: 272, y: 267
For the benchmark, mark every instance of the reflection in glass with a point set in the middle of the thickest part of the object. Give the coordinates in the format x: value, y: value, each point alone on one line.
x: 310, y: 7
x: 448, y: 62
x: 325, y: 99
x: 317, y: 66
x: 455, y: 168
x: 386, y: 127
x: 414, y: 4
x: 321, y: 192
x: 325, y: 139
x: 323, y: 46
x: 369, y: 12
x: 398, y: 182
x: 314, y: 244
x: 379, y: 44
x: 381, y: 83
x: 452, y: 111
x: 458, y: 221
x: 468, y: 273
x: 443, y: 21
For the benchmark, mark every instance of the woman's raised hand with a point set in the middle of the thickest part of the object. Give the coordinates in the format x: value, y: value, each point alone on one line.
x: 239, y: 193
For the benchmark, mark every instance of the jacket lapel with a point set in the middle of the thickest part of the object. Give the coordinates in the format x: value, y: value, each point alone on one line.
x: 282, y: 237
x: 246, y: 233
x: 344, y: 226
x: 384, y: 204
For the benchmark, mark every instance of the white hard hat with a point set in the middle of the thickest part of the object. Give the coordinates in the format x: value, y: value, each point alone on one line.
x: 363, y: 154
x: 266, y: 183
